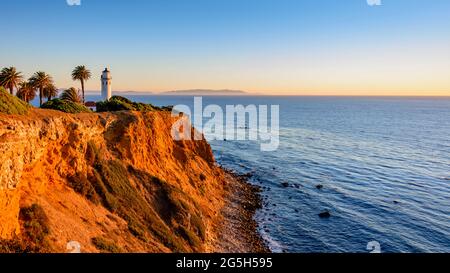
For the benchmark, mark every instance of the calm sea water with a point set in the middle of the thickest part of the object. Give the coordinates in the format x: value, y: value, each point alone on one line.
x: 384, y: 164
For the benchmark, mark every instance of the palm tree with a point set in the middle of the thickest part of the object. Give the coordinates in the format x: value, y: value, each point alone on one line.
x: 82, y: 74
x: 26, y: 92
x: 41, y: 80
x: 72, y: 95
x: 50, y: 91
x: 10, y: 78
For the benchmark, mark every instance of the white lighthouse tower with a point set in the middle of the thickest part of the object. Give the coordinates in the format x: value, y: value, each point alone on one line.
x: 106, y: 85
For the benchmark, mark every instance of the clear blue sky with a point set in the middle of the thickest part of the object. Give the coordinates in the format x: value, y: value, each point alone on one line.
x: 274, y: 46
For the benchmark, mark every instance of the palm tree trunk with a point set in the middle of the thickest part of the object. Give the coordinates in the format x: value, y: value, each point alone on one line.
x: 40, y: 96
x: 11, y: 89
x: 82, y: 89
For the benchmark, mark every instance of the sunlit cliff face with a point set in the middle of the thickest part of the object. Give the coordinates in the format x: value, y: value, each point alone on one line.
x: 123, y: 170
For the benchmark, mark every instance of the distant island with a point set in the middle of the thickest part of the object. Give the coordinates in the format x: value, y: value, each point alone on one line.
x: 206, y: 92
x: 122, y: 93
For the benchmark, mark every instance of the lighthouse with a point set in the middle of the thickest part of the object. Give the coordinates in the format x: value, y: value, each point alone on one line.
x: 106, y: 84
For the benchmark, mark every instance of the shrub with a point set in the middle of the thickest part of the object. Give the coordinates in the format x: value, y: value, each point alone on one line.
x: 137, y: 229
x: 105, y: 245
x: 15, y: 245
x: 176, y: 205
x: 189, y: 236
x: 121, y: 99
x: 91, y: 153
x: 12, y: 105
x: 108, y: 200
x: 36, y: 226
x: 167, y: 108
x: 65, y: 106
x: 161, y: 210
x: 113, y: 183
x: 113, y: 105
x: 83, y: 186
x: 35, y: 232
x: 199, y: 226
x: 117, y: 103
x: 72, y: 95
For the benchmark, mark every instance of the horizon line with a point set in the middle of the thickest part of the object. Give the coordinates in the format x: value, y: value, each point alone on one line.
x: 248, y: 94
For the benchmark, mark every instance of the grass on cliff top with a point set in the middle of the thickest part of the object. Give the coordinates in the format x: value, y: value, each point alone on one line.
x: 118, y: 103
x: 66, y: 106
x: 12, y: 105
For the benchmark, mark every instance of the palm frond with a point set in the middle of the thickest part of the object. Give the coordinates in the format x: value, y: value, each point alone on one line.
x: 26, y: 92
x: 81, y: 73
x: 10, y: 78
x: 72, y: 95
x: 50, y: 91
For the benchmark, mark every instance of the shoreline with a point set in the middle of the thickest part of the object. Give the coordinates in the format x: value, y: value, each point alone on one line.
x: 238, y: 233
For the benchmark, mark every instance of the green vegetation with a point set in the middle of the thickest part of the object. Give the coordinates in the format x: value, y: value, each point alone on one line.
x: 72, y: 95
x: 26, y: 92
x: 92, y: 153
x: 65, y: 106
x: 35, y: 232
x: 82, y: 74
x: 81, y: 185
x: 117, y: 103
x: 50, y: 91
x: 105, y: 246
x: 15, y: 245
x: 188, y: 235
x: 10, y: 78
x: 199, y: 226
x: 40, y: 81
x: 12, y: 105
x: 121, y: 197
x: 70, y: 101
x: 175, y: 207
x: 34, y: 237
x: 150, y: 205
x: 35, y: 224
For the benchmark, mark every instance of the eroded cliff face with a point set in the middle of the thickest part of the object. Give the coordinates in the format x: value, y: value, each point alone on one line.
x: 115, y: 177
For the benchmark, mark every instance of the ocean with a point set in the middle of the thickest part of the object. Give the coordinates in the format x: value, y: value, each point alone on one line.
x: 383, y: 164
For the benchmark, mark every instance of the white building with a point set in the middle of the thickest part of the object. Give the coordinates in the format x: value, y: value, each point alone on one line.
x: 106, y: 85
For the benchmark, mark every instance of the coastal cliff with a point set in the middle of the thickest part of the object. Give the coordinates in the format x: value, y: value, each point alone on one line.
x: 110, y: 182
